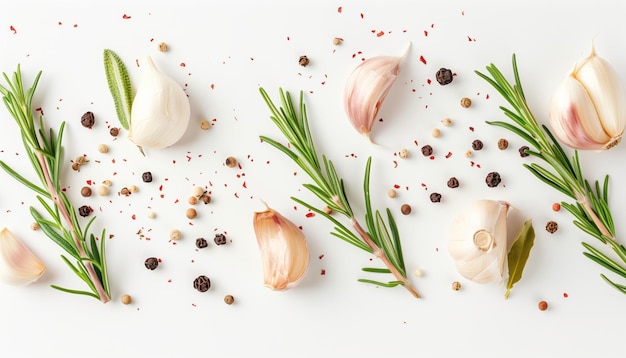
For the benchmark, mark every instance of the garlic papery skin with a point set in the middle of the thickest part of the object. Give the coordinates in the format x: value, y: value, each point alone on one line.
x: 479, y: 241
x: 284, y: 250
x: 160, y: 112
x: 366, y: 89
x: 588, y: 109
x: 18, y: 264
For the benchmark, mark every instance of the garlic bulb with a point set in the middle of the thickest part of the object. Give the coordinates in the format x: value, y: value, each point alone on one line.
x: 160, y: 112
x: 588, y: 109
x: 481, y: 237
x: 284, y: 250
x: 366, y: 89
x: 18, y: 265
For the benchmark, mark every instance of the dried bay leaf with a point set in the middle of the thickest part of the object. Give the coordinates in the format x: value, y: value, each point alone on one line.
x: 518, y: 255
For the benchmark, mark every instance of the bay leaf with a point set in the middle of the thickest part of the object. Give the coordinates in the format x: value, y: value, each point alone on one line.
x: 518, y: 255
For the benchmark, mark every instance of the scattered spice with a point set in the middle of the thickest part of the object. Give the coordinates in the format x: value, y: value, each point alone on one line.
x: 81, y: 160
x: 427, y: 150
x: 146, y: 177
x: 418, y: 272
x: 133, y: 188
x: 151, y: 263
x: 175, y: 235
x: 446, y: 122
x: 151, y: 215
x: 405, y: 209
x: 493, y: 179
x: 126, y: 299
x: 107, y: 182
x: 103, y: 148
x: 337, y: 41
x: 556, y: 207
x: 197, y: 191
x: 103, y: 190
x: 542, y: 305
x: 202, y: 283
x: 453, y: 183
x: 204, y: 125
x: 468, y: 153
x: 477, y: 144
x: 163, y: 47
x: 552, y: 226
x: 201, y: 243
x: 303, y: 61
x: 125, y: 191
x: 220, y: 239
x: 466, y: 102
x: 229, y: 299
x: 522, y: 151
x: 392, y: 193
x: 231, y: 162
x: 456, y: 285
x: 114, y: 131
x: 503, y: 144
x: 192, y: 200
x: 34, y: 226
x: 84, y: 211
x: 444, y: 76
x: 85, y: 191
x: 88, y: 120
x: 436, y: 133
x: 191, y: 213
x: 435, y: 197
x: 206, y: 199
x: 403, y: 153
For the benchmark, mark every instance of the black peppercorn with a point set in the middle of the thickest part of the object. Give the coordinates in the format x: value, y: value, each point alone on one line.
x: 427, y: 150
x: 84, y: 210
x: 146, y: 177
x: 114, y: 131
x: 477, y: 144
x: 220, y: 239
x: 202, y: 283
x: 453, y: 183
x: 201, y: 243
x: 303, y: 61
x: 151, y: 263
x: 522, y: 151
x: 435, y: 197
x: 87, y: 120
x: 493, y: 179
x: 444, y: 76
x: 552, y: 227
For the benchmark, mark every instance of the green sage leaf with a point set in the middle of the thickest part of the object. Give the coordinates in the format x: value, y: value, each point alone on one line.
x: 518, y: 255
x: 119, y: 85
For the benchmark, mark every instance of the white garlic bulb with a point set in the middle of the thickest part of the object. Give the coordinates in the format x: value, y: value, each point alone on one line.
x: 481, y: 237
x: 160, y: 112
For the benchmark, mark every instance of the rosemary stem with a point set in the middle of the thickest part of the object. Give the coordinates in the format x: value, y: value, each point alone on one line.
x: 104, y: 297
x: 584, y: 201
x: 380, y: 254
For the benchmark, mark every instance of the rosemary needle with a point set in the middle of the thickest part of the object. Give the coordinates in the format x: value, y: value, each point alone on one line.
x: 378, y: 237
x: 590, y: 207
x: 45, y: 151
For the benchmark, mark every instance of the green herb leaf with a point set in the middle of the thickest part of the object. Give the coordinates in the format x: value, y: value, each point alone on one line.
x: 119, y: 85
x: 519, y: 255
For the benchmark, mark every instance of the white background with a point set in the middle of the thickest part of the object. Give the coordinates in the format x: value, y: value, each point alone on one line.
x: 229, y: 49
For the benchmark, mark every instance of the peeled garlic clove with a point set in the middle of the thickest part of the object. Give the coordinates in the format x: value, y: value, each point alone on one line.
x: 18, y: 265
x: 284, y: 250
x: 160, y: 112
x: 478, y: 241
x: 366, y: 89
x: 588, y: 109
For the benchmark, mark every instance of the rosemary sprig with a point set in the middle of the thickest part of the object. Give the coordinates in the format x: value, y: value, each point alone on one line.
x: 590, y: 207
x: 379, y: 238
x: 45, y: 151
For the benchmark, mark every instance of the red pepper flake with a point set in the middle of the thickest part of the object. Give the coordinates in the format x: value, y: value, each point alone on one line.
x: 425, y: 33
x: 471, y: 129
x: 321, y: 256
x: 310, y: 215
x: 380, y: 33
x: 429, y: 81
x: 212, y: 86
x: 75, y: 25
x: 137, y: 62
x: 323, y: 272
x: 236, y: 195
x: 288, y: 38
x: 188, y: 158
x: 472, y: 163
x: 176, y: 201
x: 38, y: 109
x: 89, y: 182
x: 416, y: 143
x: 134, y: 217
x: 487, y: 96
x: 395, y: 163
x: 432, y: 157
x: 471, y: 39
x: 182, y: 64
x: 362, y: 16
x: 565, y: 295
x: 244, y: 185
x: 422, y: 59
x: 339, y: 9
x: 448, y: 155
x: 60, y: 23
x: 125, y: 17
x: 161, y: 188
x: 13, y: 29
x: 396, y: 186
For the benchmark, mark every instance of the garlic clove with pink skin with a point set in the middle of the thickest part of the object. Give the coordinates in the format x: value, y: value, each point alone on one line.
x: 588, y: 109
x: 18, y: 264
x: 366, y: 89
x: 160, y: 112
x: 284, y: 250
